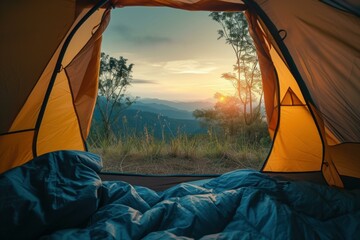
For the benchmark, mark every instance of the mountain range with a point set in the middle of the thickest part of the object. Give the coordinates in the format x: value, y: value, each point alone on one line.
x: 182, y: 105
x: 160, y: 117
x: 171, y: 109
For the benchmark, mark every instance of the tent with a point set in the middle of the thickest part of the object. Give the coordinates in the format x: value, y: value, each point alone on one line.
x: 51, y: 188
x: 309, y: 57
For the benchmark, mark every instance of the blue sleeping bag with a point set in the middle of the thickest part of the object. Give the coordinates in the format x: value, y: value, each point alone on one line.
x: 60, y: 196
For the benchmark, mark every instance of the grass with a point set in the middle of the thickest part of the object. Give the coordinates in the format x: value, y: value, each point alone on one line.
x: 182, y: 154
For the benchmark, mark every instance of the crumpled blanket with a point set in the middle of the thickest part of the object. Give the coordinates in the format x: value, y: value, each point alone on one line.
x: 60, y: 196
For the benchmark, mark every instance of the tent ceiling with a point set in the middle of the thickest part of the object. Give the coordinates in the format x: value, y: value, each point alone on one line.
x: 192, y: 5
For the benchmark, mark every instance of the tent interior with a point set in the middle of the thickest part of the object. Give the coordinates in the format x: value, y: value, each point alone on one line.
x: 309, y: 58
x: 311, y: 91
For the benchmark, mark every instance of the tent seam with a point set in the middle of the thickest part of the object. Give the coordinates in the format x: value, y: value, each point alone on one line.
x: 18, y: 131
x: 75, y: 110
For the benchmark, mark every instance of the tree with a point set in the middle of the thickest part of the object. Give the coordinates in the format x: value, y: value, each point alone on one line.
x: 245, y: 77
x: 114, y: 79
x: 225, y: 114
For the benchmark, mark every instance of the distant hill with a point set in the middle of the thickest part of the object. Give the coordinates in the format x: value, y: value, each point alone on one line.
x: 182, y: 105
x: 162, y: 109
x: 158, y: 117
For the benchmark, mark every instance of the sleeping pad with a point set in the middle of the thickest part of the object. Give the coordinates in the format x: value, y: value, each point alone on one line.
x: 60, y: 196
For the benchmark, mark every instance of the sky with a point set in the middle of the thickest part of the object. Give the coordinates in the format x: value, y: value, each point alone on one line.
x: 176, y: 54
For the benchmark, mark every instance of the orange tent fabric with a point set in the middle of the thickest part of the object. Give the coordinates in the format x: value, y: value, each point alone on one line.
x: 308, y: 52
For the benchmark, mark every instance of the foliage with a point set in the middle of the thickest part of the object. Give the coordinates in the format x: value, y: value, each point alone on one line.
x: 245, y: 77
x: 114, y: 79
x: 226, y: 114
x: 238, y: 115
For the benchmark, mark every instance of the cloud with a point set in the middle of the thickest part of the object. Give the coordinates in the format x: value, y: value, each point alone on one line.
x: 142, y: 81
x: 190, y: 67
x: 121, y: 29
x: 129, y: 35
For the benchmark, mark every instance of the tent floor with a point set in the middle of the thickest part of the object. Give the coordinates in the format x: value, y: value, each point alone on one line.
x: 154, y: 182
x: 162, y: 182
